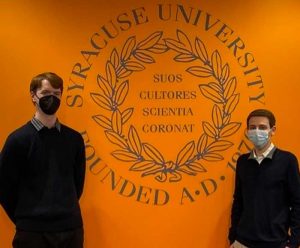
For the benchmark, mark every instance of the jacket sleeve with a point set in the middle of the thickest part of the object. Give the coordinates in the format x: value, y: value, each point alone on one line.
x: 237, y: 205
x: 79, y: 171
x: 9, y: 176
x: 294, y: 199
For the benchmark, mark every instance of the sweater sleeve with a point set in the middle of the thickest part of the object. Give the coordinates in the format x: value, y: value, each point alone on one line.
x: 237, y: 206
x: 294, y: 198
x: 79, y: 171
x: 9, y: 175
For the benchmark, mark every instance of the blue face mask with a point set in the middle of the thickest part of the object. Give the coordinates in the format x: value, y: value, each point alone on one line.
x: 259, y: 138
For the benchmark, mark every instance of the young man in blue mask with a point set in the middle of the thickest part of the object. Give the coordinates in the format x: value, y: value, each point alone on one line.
x: 42, y: 169
x: 266, y: 205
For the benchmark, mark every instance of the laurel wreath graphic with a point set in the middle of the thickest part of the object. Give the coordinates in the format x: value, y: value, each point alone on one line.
x: 144, y: 157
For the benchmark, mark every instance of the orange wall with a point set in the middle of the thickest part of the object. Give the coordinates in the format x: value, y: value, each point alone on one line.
x: 50, y: 35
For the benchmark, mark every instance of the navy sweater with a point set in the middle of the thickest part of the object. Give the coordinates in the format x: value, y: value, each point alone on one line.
x: 266, y: 202
x: 41, y: 178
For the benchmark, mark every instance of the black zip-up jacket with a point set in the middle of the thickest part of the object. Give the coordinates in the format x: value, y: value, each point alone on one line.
x: 41, y: 178
x: 266, y: 201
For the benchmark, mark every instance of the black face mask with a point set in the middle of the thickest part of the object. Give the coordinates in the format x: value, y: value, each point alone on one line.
x: 49, y: 104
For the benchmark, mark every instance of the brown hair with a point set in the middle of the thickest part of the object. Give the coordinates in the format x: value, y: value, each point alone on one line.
x: 263, y: 113
x: 55, y: 81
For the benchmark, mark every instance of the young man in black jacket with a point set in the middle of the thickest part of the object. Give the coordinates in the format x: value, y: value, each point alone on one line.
x: 42, y: 169
x: 266, y: 205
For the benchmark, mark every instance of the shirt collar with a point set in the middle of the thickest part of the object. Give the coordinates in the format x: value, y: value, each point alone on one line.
x: 267, y: 154
x: 39, y: 125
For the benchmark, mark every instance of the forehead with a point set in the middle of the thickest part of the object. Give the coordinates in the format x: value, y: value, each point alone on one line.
x: 45, y: 85
x: 259, y: 120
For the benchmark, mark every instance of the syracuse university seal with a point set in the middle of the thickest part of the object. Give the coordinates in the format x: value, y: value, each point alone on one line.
x: 160, y: 92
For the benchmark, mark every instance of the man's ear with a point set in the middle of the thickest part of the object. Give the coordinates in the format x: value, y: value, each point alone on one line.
x: 273, y: 130
x: 32, y: 97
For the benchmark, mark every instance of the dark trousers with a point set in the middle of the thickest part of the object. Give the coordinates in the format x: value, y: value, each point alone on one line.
x: 66, y: 239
